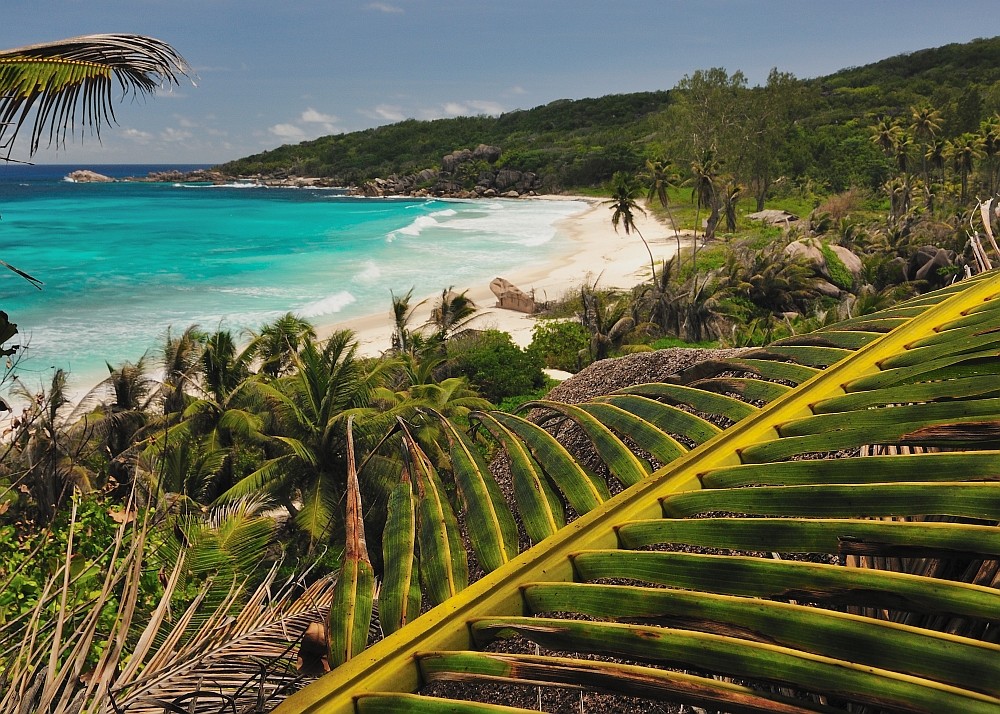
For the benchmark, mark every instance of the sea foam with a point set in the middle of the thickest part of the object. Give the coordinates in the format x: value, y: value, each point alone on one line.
x: 327, y: 306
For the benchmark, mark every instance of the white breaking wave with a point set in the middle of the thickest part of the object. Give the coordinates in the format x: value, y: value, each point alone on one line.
x: 417, y: 226
x: 370, y: 273
x: 328, y: 305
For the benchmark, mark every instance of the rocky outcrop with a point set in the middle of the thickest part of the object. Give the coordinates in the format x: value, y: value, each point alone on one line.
x: 464, y: 173
x: 933, y: 264
x: 811, y: 251
x: 511, y: 297
x: 88, y: 176
x: 773, y: 217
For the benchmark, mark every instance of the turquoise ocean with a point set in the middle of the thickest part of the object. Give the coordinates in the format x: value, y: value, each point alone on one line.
x: 123, y: 262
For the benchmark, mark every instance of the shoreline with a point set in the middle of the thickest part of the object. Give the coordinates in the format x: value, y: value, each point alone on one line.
x: 586, y: 248
x: 590, y: 249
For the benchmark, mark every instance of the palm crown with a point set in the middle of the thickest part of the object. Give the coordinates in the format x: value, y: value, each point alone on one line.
x: 57, y: 86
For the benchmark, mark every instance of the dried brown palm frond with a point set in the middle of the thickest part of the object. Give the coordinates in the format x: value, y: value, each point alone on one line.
x: 66, y: 657
x: 248, y: 659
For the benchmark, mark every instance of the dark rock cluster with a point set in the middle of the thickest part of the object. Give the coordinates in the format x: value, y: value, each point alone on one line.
x: 465, y: 173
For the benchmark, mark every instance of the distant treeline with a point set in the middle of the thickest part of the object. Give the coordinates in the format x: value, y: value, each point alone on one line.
x: 815, y: 131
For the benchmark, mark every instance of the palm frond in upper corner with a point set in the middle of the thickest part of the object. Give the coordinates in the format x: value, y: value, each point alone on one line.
x: 72, y: 81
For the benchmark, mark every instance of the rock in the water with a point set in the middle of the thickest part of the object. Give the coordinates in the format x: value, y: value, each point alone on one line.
x: 88, y: 176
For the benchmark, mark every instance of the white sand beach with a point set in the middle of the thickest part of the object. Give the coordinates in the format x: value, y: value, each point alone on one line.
x: 590, y: 248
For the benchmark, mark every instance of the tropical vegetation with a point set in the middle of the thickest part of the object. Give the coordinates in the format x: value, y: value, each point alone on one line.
x: 234, y: 514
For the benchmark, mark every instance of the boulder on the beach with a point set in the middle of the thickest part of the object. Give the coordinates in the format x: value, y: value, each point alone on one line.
x: 773, y: 217
x: 511, y: 297
x: 87, y: 176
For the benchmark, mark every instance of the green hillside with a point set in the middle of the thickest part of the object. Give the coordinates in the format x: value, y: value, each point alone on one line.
x: 822, y: 126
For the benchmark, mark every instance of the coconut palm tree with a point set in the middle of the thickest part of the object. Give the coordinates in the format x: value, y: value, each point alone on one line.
x: 307, y: 469
x: 625, y: 191
x: 58, y: 86
x: 223, y: 365
x: 49, y: 446
x: 884, y: 134
x: 452, y: 312
x: 925, y: 126
x: 661, y: 179
x: 705, y: 193
x: 989, y: 131
x: 964, y: 151
x: 278, y: 342
x: 404, y: 339
x: 181, y: 364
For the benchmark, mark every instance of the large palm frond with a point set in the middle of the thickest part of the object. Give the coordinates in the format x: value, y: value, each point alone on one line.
x: 70, y: 81
x: 758, y: 597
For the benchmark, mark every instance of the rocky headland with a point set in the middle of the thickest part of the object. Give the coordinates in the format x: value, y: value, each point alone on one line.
x: 466, y: 173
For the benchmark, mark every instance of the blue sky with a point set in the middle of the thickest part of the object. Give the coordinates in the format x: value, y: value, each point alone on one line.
x: 273, y: 72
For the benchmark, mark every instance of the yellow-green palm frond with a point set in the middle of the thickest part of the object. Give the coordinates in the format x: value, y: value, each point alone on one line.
x: 72, y: 81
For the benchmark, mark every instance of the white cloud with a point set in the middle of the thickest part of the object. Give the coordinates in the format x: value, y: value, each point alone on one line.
x: 517, y: 89
x: 171, y: 134
x: 471, y: 107
x: 385, y: 7
x: 312, y: 116
x: 137, y: 135
x: 288, y: 132
x: 185, y: 122
x: 386, y: 112
x: 485, y: 107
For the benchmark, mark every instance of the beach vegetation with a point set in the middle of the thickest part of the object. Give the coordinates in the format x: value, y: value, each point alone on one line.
x: 494, y: 365
x: 625, y: 192
x: 560, y: 343
x: 163, y: 510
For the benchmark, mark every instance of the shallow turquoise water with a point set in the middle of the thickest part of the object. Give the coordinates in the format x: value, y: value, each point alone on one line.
x: 123, y: 262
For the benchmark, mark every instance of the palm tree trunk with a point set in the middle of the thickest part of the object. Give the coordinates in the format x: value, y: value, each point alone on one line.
x: 652, y: 264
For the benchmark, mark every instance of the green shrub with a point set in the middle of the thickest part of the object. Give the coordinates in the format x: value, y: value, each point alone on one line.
x: 495, y: 365
x: 559, y: 343
x: 510, y: 404
x: 839, y: 274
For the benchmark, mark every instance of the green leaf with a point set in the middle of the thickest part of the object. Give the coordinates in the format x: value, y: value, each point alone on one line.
x: 663, y: 417
x: 807, y: 355
x: 933, y: 655
x: 354, y: 593
x: 844, y: 501
x: 913, y: 373
x: 753, y: 390
x: 628, y: 680
x: 634, y: 424
x: 945, y: 466
x: 583, y: 491
x: 962, y: 388
x: 698, y: 399
x: 793, y: 535
x: 444, y: 569
x: 846, y: 339
x: 621, y: 462
x: 877, y: 419
x: 802, y: 581
x: 399, y: 598
x: 491, y: 526
x: 539, y: 507
x: 740, y: 658
x: 416, y: 704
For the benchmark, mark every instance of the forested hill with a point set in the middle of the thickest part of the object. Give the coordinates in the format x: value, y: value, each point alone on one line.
x: 577, y: 140
x: 576, y: 143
